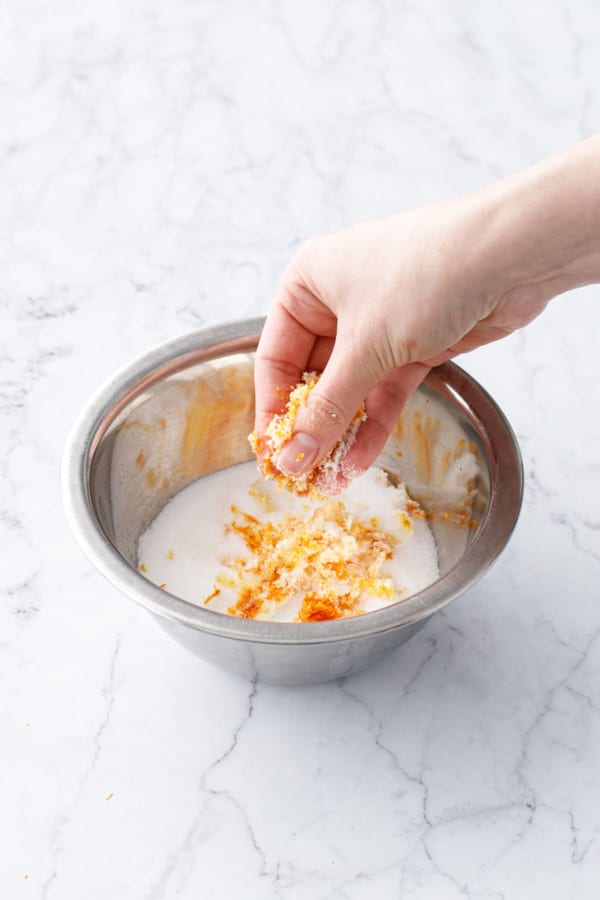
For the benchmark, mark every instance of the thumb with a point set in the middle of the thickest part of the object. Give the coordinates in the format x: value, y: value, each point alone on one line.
x: 328, y: 412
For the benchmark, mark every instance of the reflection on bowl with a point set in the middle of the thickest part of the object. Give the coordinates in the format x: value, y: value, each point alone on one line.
x: 185, y: 410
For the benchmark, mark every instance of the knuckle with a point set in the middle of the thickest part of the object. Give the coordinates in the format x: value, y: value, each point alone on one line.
x: 306, y: 250
x: 275, y: 367
x: 328, y: 411
x: 300, y: 263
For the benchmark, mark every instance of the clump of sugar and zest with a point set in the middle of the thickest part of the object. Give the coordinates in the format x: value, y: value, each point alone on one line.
x: 280, y: 431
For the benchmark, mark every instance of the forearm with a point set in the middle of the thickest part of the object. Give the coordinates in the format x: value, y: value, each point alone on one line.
x: 538, y: 232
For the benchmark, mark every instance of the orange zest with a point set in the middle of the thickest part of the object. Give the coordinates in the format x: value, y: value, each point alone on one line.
x: 326, y: 562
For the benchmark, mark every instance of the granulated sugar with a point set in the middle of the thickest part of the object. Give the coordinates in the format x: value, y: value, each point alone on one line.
x: 239, y: 545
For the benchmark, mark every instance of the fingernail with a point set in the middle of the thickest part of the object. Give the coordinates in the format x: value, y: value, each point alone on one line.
x: 298, y: 455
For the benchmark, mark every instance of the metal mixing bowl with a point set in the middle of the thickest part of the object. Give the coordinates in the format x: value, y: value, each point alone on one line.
x: 185, y: 409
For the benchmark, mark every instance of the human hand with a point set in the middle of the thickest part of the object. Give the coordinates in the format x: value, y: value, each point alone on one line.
x: 375, y: 305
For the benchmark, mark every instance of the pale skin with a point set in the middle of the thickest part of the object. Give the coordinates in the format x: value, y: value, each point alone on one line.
x: 376, y: 305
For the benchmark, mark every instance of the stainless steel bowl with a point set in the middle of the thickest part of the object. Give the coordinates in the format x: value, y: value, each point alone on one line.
x: 185, y: 409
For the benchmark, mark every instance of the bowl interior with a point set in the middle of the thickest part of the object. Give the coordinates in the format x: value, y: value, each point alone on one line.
x: 191, y: 416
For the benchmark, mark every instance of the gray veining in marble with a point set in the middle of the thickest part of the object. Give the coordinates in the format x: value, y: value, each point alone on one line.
x: 160, y: 162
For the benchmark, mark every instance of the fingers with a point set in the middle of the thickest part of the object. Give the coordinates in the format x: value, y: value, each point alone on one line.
x: 283, y: 352
x: 384, y: 404
x: 298, y: 335
x: 328, y: 412
x: 320, y: 354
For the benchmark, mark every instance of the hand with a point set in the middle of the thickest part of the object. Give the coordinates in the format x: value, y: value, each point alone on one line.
x: 375, y: 305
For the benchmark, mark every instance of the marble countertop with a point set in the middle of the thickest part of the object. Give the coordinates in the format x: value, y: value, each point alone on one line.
x: 160, y: 163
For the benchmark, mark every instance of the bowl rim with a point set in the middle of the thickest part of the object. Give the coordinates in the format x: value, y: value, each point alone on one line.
x: 506, y: 496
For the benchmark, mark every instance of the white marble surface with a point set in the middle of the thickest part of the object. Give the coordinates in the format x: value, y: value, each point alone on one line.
x: 160, y: 161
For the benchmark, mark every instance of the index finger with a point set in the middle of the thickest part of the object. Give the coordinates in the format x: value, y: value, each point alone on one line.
x: 281, y: 357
